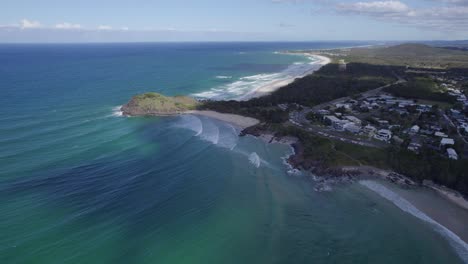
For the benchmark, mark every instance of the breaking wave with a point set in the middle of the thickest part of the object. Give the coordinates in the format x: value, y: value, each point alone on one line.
x: 223, y: 77
x: 239, y: 89
x: 117, y: 111
x: 218, y: 133
x: 254, y: 159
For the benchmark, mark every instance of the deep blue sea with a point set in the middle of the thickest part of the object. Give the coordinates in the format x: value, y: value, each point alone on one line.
x: 81, y: 184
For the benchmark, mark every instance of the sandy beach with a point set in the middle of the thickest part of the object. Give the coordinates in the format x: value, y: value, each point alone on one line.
x: 442, y: 205
x: 236, y: 120
x: 275, y: 85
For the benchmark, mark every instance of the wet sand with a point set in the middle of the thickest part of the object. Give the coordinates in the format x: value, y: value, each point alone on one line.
x: 236, y: 120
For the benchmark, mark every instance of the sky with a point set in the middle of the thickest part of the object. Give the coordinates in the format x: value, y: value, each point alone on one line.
x: 231, y: 20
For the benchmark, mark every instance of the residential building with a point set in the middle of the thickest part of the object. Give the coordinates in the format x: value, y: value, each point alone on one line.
x: 383, y: 135
x: 352, y: 127
x: 353, y: 119
x: 446, y: 142
x: 414, y: 129
x: 452, y: 154
x: 369, y: 130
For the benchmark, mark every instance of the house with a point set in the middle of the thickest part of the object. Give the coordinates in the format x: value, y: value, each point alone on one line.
x: 414, y: 129
x: 336, y: 123
x: 340, y: 125
x: 383, y: 135
x: 352, y: 127
x: 440, y: 134
x: 383, y: 123
x: 323, y: 112
x: 369, y: 130
x: 353, y: 119
x: 452, y: 154
x: 414, y: 146
x: 446, y: 142
x: 345, y: 106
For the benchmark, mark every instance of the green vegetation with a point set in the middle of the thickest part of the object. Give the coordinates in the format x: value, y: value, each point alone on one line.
x: 420, y: 88
x: 431, y: 166
x: 325, y: 153
x: 366, y: 69
x: 157, y: 104
x: 325, y: 85
x: 414, y: 55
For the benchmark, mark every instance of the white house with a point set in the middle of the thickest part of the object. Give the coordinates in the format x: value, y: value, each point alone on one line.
x: 447, y: 142
x: 353, y: 119
x: 440, y: 134
x: 452, y: 154
x: 414, y: 129
x: 369, y: 130
x: 336, y: 123
x: 383, y: 135
x: 352, y: 127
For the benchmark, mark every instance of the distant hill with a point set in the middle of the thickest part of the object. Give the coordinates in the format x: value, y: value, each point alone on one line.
x: 409, y: 54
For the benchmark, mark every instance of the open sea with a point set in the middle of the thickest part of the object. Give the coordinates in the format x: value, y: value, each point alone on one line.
x: 79, y: 183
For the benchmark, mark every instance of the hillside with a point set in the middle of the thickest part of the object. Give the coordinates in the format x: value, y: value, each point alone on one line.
x: 157, y: 104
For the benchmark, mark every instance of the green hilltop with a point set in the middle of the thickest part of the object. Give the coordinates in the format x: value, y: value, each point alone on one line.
x: 158, y: 104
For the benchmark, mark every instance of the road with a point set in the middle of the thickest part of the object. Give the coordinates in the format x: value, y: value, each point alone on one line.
x: 299, y: 118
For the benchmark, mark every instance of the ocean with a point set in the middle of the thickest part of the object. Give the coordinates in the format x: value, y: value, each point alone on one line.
x: 79, y: 183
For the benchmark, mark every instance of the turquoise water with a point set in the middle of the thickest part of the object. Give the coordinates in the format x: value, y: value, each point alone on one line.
x: 81, y: 184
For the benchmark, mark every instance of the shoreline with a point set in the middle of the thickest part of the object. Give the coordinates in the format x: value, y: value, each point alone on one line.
x: 275, y: 85
x: 324, y: 176
x: 239, y: 121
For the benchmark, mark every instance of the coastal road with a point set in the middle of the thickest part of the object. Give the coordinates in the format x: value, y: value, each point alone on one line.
x: 299, y: 119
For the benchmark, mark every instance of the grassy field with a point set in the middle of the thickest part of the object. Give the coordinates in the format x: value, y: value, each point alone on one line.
x: 414, y: 55
x: 154, y: 104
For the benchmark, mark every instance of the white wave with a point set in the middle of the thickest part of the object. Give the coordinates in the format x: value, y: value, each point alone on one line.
x: 228, y: 137
x: 117, y: 111
x: 223, y: 77
x: 290, y: 169
x: 254, y: 159
x: 460, y: 246
x: 210, y: 132
x: 245, y: 87
x: 190, y: 122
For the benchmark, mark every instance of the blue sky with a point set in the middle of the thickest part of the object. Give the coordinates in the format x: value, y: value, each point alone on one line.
x: 223, y: 20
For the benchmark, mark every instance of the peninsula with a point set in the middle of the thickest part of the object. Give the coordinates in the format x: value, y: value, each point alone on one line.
x: 155, y: 104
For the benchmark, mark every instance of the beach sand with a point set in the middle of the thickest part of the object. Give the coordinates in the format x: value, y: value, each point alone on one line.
x: 437, y: 207
x: 275, y: 85
x: 236, y: 120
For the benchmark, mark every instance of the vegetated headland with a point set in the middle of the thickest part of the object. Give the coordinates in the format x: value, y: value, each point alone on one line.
x: 397, y: 111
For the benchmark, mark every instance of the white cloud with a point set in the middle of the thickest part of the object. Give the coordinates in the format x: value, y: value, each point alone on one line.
x: 104, y: 27
x: 124, y: 28
x: 444, y: 19
x: 454, y: 2
x: 377, y: 7
x: 25, y: 23
x: 67, y: 25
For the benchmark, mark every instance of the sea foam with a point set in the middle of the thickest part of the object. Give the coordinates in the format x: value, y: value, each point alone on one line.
x: 254, y: 159
x: 117, y: 111
x: 460, y: 246
x: 245, y: 86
